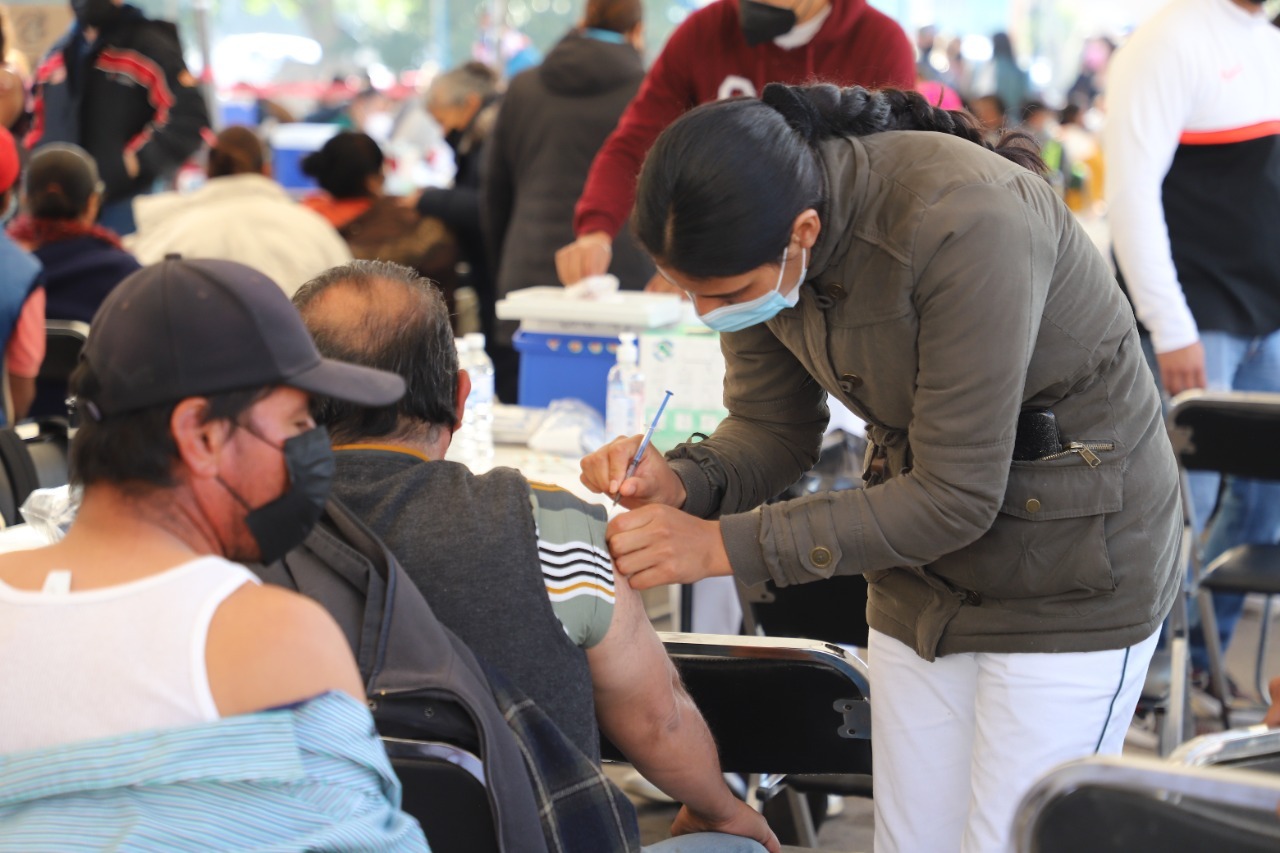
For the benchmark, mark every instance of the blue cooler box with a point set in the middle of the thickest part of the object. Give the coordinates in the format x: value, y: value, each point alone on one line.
x: 290, y: 143
x: 555, y: 366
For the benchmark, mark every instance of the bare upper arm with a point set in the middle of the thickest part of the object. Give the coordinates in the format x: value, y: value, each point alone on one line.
x: 268, y: 646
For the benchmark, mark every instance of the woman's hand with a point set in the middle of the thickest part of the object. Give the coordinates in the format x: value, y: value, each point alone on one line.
x: 656, y: 545
x: 589, y: 255
x: 605, y: 473
x: 744, y: 821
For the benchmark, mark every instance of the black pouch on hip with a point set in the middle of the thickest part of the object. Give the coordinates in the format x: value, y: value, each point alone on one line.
x: 1037, y: 435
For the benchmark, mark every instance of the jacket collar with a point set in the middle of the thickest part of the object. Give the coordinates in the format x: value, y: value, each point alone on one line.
x: 845, y: 170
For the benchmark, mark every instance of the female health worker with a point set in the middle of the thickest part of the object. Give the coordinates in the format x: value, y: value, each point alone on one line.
x: 868, y: 246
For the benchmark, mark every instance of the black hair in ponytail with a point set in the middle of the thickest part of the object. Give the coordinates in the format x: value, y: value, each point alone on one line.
x: 344, y: 164
x: 723, y: 184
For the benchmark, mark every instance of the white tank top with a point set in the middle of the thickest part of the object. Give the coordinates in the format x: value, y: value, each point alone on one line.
x: 102, y: 662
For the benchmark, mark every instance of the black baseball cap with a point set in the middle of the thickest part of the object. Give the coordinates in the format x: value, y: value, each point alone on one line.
x: 192, y: 328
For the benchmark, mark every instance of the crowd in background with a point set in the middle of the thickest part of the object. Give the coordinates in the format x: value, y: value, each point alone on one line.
x: 411, y: 175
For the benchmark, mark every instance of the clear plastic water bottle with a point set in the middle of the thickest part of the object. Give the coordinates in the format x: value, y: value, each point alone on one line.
x: 477, y: 419
x: 624, y: 397
x: 462, y: 449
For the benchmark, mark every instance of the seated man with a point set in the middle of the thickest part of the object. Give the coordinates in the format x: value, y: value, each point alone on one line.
x: 518, y: 570
x: 136, y: 638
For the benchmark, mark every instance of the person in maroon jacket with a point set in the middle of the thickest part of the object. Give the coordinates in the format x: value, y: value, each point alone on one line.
x: 726, y: 49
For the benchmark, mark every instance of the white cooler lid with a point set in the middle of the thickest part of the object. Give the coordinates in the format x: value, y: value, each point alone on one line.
x: 545, y: 307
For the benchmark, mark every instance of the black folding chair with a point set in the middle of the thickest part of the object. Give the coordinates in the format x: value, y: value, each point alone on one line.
x: 1108, y: 804
x: 1233, y: 434
x: 444, y: 790
x: 64, y: 339
x: 1253, y: 748
x: 796, y: 711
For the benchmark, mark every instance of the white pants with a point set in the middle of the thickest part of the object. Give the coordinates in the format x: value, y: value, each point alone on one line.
x: 958, y: 742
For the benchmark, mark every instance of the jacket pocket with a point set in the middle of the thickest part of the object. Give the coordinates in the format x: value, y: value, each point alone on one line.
x: 1049, y: 537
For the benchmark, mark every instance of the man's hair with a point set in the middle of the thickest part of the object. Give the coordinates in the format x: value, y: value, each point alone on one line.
x: 408, y: 333
x: 452, y: 87
x: 136, y: 450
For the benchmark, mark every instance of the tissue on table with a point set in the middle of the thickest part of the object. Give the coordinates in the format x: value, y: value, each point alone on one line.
x: 593, y: 287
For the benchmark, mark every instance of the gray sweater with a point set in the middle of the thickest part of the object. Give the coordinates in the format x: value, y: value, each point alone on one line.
x: 469, y: 543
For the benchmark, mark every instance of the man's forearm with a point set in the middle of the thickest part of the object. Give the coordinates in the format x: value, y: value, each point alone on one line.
x: 674, y: 750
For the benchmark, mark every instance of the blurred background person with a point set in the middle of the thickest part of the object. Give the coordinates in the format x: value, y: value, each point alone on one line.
x: 83, y: 261
x: 992, y: 113
x: 728, y: 48
x: 1193, y: 195
x: 939, y: 94
x: 464, y: 102
x: 1091, y: 82
x: 1004, y: 75
x: 926, y: 42
x: 13, y: 74
x: 241, y: 214
x: 1041, y: 124
x: 21, y: 299
x: 350, y: 171
x: 1081, y: 148
x: 553, y: 120
x: 960, y: 73
x: 116, y: 85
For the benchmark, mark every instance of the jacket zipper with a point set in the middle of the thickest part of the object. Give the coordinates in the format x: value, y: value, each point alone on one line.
x: 1085, y: 449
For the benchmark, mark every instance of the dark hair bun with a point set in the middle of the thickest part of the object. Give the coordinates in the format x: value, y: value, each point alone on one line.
x: 316, y: 164
x: 798, y: 111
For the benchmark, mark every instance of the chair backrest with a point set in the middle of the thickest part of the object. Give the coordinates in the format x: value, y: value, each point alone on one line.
x: 444, y: 789
x: 1255, y: 748
x: 32, y: 456
x: 63, y: 341
x: 830, y: 611
x: 777, y: 705
x: 1232, y: 432
x: 8, y: 502
x: 1108, y: 804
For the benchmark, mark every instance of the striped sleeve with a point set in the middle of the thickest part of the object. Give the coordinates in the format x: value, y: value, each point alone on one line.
x: 576, y: 567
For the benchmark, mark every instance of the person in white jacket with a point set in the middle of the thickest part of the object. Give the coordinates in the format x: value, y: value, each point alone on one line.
x: 241, y: 215
x: 1192, y: 144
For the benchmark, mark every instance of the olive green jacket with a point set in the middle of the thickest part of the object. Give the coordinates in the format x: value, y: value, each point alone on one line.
x: 950, y: 289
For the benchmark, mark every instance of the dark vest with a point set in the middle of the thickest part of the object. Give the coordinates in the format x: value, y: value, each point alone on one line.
x: 468, y: 542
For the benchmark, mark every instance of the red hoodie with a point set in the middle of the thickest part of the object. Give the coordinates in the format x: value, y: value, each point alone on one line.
x: 707, y: 58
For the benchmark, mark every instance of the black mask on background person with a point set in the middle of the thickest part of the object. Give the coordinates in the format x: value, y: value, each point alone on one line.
x: 282, y: 524
x: 94, y: 13
x: 762, y: 22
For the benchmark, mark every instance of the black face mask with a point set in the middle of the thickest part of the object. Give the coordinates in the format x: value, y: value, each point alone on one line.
x: 762, y: 22
x: 283, y: 523
x: 94, y: 13
x: 454, y: 138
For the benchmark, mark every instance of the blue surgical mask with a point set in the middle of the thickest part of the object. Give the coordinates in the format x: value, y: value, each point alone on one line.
x: 742, y: 315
